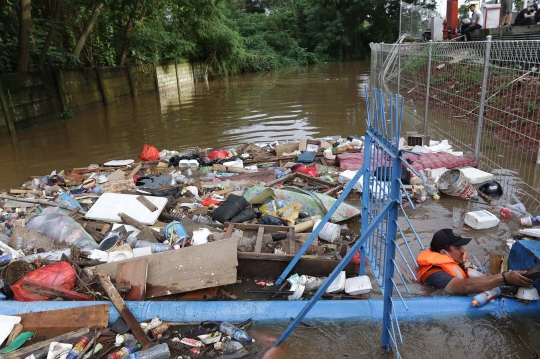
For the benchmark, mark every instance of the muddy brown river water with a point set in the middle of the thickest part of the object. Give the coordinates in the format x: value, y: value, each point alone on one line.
x: 291, y: 103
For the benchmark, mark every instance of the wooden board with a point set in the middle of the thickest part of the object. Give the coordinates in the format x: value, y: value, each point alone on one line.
x: 109, y: 205
x: 93, y: 316
x: 135, y: 273
x: 190, y: 268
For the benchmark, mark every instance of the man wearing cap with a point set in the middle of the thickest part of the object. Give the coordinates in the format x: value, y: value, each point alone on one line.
x: 443, y: 266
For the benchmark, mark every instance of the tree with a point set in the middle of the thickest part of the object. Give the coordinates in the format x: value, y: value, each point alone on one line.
x: 50, y: 34
x: 87, y: 29
x: 25, y: 28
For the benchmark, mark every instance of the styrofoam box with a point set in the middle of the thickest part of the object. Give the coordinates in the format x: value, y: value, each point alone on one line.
x: 475, y: 175
x: 358, y: 285
x: 338, y: 284
x: 481, y: 219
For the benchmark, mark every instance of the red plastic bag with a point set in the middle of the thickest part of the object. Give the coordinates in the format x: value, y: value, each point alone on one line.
x: 208, y: 201
x: 149, y: 153
x: 312, y: 171
x: 59, y: 274
x: 222, y: 154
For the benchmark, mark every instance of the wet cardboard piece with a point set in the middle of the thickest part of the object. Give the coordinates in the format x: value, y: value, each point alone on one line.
x: 207, y: 265
x: 135, y: 273
x: 117, y: 175
x: 27, y: 240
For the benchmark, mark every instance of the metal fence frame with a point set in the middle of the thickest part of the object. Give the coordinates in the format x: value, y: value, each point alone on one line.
x: 381, y: 206
x: 481, y: 96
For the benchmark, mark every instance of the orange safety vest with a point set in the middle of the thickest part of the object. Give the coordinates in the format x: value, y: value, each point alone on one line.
x: 430, y: 262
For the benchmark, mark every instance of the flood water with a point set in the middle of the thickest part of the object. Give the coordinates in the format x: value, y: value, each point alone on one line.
x: 287, y: 104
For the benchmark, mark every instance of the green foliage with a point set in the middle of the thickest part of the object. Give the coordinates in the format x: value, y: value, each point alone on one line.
x: 230, y: 36
x: 67, y: 114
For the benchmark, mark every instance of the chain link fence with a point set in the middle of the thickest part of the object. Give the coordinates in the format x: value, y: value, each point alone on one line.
x: 481, y: 96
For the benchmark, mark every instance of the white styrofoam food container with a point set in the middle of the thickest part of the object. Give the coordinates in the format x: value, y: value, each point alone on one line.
x: 358, y: 285
x: 475, y: 175
x: 481, y: 219
x: 338, y: 284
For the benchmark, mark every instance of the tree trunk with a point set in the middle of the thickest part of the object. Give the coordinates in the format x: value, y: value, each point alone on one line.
x: 50, y: 35
x: 25, y: 27
x: 129, y: 31
x: 87, y: 30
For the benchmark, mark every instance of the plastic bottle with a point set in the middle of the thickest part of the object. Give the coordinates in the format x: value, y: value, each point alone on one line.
x: 423, y: 177
x: 156, y: 247
x: 123, y: 353
x: 207, y: 221
x: 537, y: 219
x: 9, y: 216
x: 97, y: 348
x: 160, y: 351
x: 78, y: 348
x: 234, y: 332
x: 231, y: 346
x: 484, y: 297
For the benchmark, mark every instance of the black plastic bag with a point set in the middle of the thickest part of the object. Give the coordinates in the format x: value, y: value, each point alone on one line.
x: 229, y: 208
x: 246, y: 215
x: 270, y: 220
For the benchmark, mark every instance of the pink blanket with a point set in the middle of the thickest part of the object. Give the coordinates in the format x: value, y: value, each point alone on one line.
x: 354, y: 161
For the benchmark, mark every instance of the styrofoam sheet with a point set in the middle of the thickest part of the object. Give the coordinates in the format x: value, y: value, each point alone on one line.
x: 475, y: 175
x: 109, y: 205
x: 118, y: 163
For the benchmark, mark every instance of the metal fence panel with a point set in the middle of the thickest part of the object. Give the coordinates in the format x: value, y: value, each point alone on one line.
x: 505, y: 113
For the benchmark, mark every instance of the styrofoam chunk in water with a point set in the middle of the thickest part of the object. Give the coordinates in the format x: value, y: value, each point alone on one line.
x: 475, y: 175
x: 481, y: 219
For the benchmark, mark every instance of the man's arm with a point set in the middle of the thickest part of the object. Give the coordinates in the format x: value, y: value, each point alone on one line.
x: 480, y: 284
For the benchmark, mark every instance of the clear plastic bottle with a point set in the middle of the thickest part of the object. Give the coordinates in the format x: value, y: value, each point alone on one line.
x: 156, y: 247
x: 231, y: 346
x: 234, y: 332
x: 160, y: 351
x: 97, y: 348
x: 484, y: 297
x: 78, y: 348
x: 209, y: 222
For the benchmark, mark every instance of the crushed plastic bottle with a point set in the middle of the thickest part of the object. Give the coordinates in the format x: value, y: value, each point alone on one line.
x: 78, y: 348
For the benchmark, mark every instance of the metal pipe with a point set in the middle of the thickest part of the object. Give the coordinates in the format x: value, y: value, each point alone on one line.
x: 482, y: 98
x: 428, y: 86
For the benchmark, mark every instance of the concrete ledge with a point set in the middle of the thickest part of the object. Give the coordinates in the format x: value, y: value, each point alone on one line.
x: 531, y: 32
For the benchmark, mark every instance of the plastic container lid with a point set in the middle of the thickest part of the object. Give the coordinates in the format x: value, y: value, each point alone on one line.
x: 338, y: 284
x: 527, y: 293
x: 358, y: 285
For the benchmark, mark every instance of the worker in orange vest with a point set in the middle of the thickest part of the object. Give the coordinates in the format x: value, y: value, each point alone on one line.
x: 444, y: 266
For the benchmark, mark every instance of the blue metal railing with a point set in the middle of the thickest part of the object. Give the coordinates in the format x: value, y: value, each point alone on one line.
x: 381, y: 205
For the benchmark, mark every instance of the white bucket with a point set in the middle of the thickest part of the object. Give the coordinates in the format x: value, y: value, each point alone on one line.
x: 330, y: 232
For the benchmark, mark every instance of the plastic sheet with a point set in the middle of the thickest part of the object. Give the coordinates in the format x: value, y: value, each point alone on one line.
x: 62, y: 229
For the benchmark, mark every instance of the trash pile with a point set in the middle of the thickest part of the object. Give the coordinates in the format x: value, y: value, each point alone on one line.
x: 104, y: 231
x: 34, y: 335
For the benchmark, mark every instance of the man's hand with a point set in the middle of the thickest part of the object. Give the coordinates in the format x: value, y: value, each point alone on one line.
x: 517, y: 278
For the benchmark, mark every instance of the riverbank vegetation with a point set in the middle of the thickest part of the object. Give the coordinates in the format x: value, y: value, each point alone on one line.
x: 230, y: 36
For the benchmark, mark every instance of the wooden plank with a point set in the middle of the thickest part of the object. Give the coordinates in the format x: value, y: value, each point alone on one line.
x: 145, y: 234
x: 24, y: 351
x: 135, y: 273
x: 316, y: 180
x: 183, y: 270
x: 255, y: 227
x: 292, y: 245
x: 152, y: 207
x: 94, y: 316
x: 288, y: 177
x: 134, y: 171
x: 258, y: 243
x: 21, y: 191
x: 124, y: 311
x: 230, y: 228
x: 105, y: 228
x: 52, y: 291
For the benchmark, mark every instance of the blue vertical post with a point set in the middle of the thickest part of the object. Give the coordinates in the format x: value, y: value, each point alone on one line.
x: 391, y: 236
x: 365, y: 194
